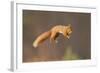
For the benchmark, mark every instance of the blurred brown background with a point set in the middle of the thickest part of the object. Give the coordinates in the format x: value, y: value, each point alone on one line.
x: 78, y: 47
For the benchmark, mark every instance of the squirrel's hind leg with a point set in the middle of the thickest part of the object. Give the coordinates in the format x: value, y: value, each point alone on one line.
x: 54, y: 37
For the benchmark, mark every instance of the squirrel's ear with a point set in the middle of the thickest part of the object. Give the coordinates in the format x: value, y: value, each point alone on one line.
x: 69, y: 25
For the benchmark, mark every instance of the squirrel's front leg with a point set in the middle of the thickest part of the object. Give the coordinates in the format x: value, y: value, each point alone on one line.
x: 66, y: 35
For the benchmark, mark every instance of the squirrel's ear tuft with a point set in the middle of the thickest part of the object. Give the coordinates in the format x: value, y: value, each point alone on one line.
x: 69, y: 25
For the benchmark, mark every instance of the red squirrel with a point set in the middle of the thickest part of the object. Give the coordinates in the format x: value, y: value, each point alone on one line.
x: 53, y: 34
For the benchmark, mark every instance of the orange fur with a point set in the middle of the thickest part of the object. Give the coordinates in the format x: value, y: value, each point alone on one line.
x: 53, y: 34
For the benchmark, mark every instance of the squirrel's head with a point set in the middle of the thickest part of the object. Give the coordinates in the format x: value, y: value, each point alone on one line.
x: 68, y: 30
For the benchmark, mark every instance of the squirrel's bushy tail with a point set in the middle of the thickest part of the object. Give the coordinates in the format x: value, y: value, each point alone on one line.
x: 41, y: 38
